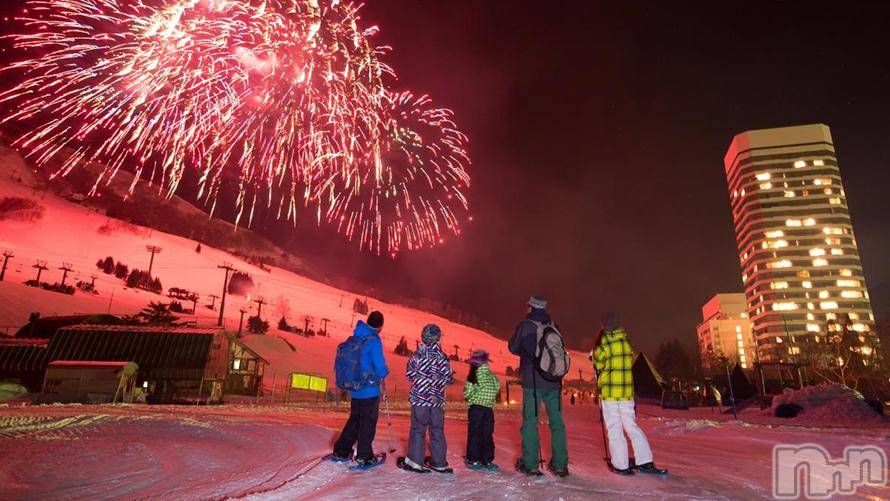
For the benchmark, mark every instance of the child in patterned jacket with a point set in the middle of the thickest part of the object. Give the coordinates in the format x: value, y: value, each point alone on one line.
x: 481, y: 391
x: 429, y: 372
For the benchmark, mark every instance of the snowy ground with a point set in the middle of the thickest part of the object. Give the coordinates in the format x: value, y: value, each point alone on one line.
x: 264, y: 453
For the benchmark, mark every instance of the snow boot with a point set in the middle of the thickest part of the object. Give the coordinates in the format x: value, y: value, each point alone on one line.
x: 521, y: 468
x: 490, y: 467
x: 408, y: 465
x: 427, y: 463
x: 627, y: 472
x: 562, y: 472
x: 334, y: 458
x: 650, y: 468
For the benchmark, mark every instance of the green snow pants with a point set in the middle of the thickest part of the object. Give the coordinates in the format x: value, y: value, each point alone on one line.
x: 530, y: 441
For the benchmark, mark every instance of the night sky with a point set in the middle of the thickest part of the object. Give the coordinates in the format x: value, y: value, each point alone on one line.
x: 597, y: 132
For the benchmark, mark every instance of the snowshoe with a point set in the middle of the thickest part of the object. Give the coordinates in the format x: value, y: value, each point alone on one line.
x: 337, y: 459
x: 428, y: 463
x: 650, y: 468
x: 367, y: 464
x: 520, y: 467
x: 403, y: 464
x: 627, y: 472
x: 559, y: 472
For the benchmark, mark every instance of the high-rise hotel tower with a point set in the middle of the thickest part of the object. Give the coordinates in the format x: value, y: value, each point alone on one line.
x: 800, y: 264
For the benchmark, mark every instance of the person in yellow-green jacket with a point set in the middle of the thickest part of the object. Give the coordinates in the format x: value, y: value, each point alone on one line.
x: 613, y: 360
x: 481, y: 392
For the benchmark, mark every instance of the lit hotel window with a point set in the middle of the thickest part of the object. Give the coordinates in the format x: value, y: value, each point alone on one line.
x: 779, y: 340
x: 846, y: 273
x: 817, y: 252
x: 812, y: 327
x: 859, y: 327
x: 820, y: 262
x: 766, y: 186
x: 779, y: 264
x: 793, y: 222
x: 809, y: 221
x: 853, y: 316
x: 828, y: 305
x: 818, y: 163
x: 775, y: 234
x: 851, y: 294
x: 837, y: 252
x: 784, y: 306
x: 789, y: 194
x: 831, y: 316
x: 799, y: 164
x: 806, y: 284
x: 779, y: 285
x: 834, y: 201
x: 778, y: 244
x: 763, y: 176
x: 810, y: 316
x: 794, y: 350
x: 828, y: 191
x: 823, y: 294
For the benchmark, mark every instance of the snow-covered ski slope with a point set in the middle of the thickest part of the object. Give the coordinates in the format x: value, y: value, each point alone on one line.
x: 75, y: 234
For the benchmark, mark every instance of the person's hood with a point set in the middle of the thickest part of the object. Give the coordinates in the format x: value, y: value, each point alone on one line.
x: 538, y: 315
x: 616, y: 334
x: 425, y: 350
x: 363, y: 330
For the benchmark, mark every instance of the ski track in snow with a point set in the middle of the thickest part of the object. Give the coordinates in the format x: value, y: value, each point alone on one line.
x: 261, y: 453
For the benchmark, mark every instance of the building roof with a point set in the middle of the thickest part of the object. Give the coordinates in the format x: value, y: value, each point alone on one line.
x: 248, y: 350
x: 165, y: 329
x: 46, y: 327
x: 161, y: 352
x: 87, y: 363
x: 22, y: 356
x: 776, y: 138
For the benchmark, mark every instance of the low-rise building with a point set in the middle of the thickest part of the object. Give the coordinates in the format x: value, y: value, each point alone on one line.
x: 725, y: 331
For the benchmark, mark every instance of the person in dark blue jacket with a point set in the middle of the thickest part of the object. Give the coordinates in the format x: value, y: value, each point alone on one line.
x: 364, y: 406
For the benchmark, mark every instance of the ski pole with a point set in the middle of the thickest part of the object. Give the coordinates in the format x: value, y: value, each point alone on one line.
x: 389, y: 423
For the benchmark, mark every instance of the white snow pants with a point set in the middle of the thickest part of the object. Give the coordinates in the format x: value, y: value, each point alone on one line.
x: 620, y: 418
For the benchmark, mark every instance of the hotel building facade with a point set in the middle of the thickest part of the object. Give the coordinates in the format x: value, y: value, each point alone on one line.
x: 725, y: 331
x: 800, y: 264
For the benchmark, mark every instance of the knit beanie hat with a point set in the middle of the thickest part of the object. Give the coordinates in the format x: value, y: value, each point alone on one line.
x: 611, y: 321
x: 375, y: 320
x: 479, y: 357
x: 431, y: 334
x: 537, y: 302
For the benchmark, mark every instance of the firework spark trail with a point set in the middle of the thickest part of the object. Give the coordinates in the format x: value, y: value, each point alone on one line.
x: 287, y: 96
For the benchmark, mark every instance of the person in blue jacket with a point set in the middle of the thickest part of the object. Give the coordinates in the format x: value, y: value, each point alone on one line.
x: 365, y: 403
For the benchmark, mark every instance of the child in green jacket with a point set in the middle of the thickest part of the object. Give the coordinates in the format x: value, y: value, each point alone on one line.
x: 481, y: 391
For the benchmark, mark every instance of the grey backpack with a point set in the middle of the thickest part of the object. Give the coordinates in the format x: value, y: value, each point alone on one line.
x: 551, y: 357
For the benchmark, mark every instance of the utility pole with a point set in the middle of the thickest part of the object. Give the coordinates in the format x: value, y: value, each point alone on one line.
x: 243, y: 310
x: 222, y: 303
x: 213, y: 298
x: 325, y: 327
x: 93, y: 281
x: 41, y: 265
x: 154, y: 249
x: 66, y: 269
x: 194, y: 299
x: 259, y: 305
x: 6, y: 255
